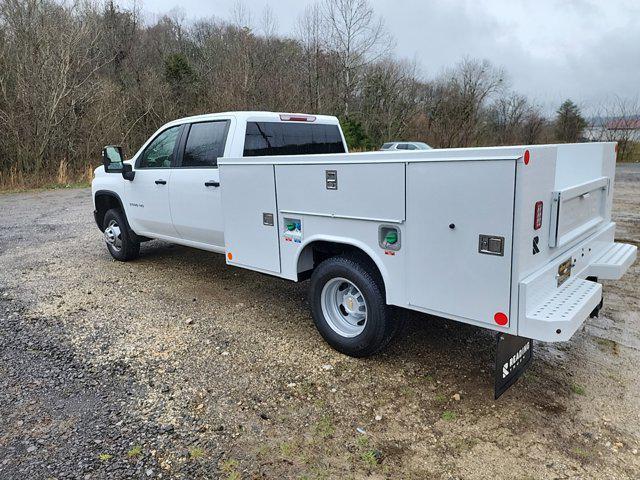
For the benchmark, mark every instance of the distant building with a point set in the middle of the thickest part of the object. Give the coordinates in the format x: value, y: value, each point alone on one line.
x: 613, y: 129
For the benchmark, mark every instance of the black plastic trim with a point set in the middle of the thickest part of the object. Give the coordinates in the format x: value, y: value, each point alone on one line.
x: 109, y: 193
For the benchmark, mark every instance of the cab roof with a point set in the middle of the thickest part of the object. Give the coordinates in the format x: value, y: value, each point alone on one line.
x: 256, y: 116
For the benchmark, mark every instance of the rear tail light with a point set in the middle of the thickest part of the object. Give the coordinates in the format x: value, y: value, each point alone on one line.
x: 286, y: 117
x: 537, y: 216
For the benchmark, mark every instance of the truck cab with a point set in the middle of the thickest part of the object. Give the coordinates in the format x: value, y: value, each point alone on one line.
x: 173, y: 190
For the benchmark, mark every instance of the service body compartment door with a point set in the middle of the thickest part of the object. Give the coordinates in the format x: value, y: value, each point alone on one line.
x: 454, y: 210
x: 365, y: 191
x: 250, y: 216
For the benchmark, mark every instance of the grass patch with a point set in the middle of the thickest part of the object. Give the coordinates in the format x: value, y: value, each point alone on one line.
x: 287, y: 449
x: 465, y: 444
x: 196, y: 453
x: 608, y: 345
x: 307, y: 387
x: 324, y: 428
x: 581, y: 452
x: 264, y: 450
x: 46, y: 186
x: 577, y: 389
x: 362, y: 441
x: 105, y: 457
x: 448, y: 416
x: 370, y: 458
x: 440, y: 398
x: 408, y: 391
x: 135, y: 451
x: 230, y: 468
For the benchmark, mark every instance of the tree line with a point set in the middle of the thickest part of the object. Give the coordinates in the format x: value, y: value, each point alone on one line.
x: 77, y: 76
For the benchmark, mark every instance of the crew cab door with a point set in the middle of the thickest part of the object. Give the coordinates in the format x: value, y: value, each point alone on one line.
x: 147, y: 195
x: 194, y: 193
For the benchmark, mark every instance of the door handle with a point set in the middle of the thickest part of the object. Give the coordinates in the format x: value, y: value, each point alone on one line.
x: 211, y: 183
x: 161, y: 182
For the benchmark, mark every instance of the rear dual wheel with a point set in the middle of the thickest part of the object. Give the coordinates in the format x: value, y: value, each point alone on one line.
x: 349, y: 308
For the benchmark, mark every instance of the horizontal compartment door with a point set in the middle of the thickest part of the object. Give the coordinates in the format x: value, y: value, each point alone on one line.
x: 362, y: 191
x: 577, y: 210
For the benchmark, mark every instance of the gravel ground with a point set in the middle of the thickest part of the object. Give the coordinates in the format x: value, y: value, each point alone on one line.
x: 177, y: 366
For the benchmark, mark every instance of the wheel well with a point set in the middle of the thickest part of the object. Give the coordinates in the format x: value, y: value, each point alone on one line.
x: 105, y: 202
x: 316, y: 252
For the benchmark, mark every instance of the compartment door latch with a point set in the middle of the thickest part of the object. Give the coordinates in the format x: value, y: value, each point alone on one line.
x: 491, y: 245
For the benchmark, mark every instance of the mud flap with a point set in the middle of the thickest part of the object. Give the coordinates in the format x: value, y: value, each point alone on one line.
x: 513, y: 356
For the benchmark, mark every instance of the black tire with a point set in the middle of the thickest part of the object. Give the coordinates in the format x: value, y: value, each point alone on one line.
x: 380, y: 326
x: 126, y: 248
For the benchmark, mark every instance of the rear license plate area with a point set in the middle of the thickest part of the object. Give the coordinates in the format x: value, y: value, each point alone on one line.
x: 564, y: 271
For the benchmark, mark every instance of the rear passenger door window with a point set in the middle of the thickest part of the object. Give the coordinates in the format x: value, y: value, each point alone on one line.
x: 280, y: 138
x: 205, y: 144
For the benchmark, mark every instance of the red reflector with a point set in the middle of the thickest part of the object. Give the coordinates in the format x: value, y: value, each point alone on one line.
x: 501, y: 319
x: 527, y: 156
x: 285, y: 117
x: 537, y: 215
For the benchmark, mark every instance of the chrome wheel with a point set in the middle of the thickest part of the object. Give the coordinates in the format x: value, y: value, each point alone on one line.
x: 113, y: 235
x: 344, y: 307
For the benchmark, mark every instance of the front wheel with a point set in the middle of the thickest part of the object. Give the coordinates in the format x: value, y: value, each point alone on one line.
x: 348, y: 306
x: 117, y: 237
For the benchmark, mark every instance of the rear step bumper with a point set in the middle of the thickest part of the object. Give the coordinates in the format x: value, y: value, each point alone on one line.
x: 614, y: 261
x: 553, y: 313
x: 558, y: 317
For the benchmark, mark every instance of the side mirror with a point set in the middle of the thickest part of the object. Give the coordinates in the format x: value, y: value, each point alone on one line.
x: 112, y: 159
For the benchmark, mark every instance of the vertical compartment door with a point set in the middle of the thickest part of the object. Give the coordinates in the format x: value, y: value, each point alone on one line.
x: 459, y: 232
x: 250, y: 216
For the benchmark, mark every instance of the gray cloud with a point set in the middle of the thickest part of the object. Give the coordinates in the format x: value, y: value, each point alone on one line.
x: 552, y: 49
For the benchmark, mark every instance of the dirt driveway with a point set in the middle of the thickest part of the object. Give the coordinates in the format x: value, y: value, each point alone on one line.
x: 177, y: 366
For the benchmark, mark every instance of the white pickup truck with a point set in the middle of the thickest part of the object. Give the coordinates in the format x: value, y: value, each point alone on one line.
x: 513, y: 239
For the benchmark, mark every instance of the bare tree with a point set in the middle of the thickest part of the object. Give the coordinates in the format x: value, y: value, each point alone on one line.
x: 358, y: 37
x: 241, y: 15
x: 268, y: 23
x: 388, y: 100
x: 309, y: 31
x: 459, y: 99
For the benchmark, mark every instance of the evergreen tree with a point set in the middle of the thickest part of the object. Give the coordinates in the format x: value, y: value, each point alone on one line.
x: 569, y: 122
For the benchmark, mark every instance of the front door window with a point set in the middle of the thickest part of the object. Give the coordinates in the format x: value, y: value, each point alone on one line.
x: 159, y: 153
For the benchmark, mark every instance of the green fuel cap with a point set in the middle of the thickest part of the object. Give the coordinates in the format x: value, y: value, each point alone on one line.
x: 391, y: 237
x: 291, y: 226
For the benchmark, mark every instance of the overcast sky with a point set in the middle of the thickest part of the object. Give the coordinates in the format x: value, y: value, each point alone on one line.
x: 551, y: 49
